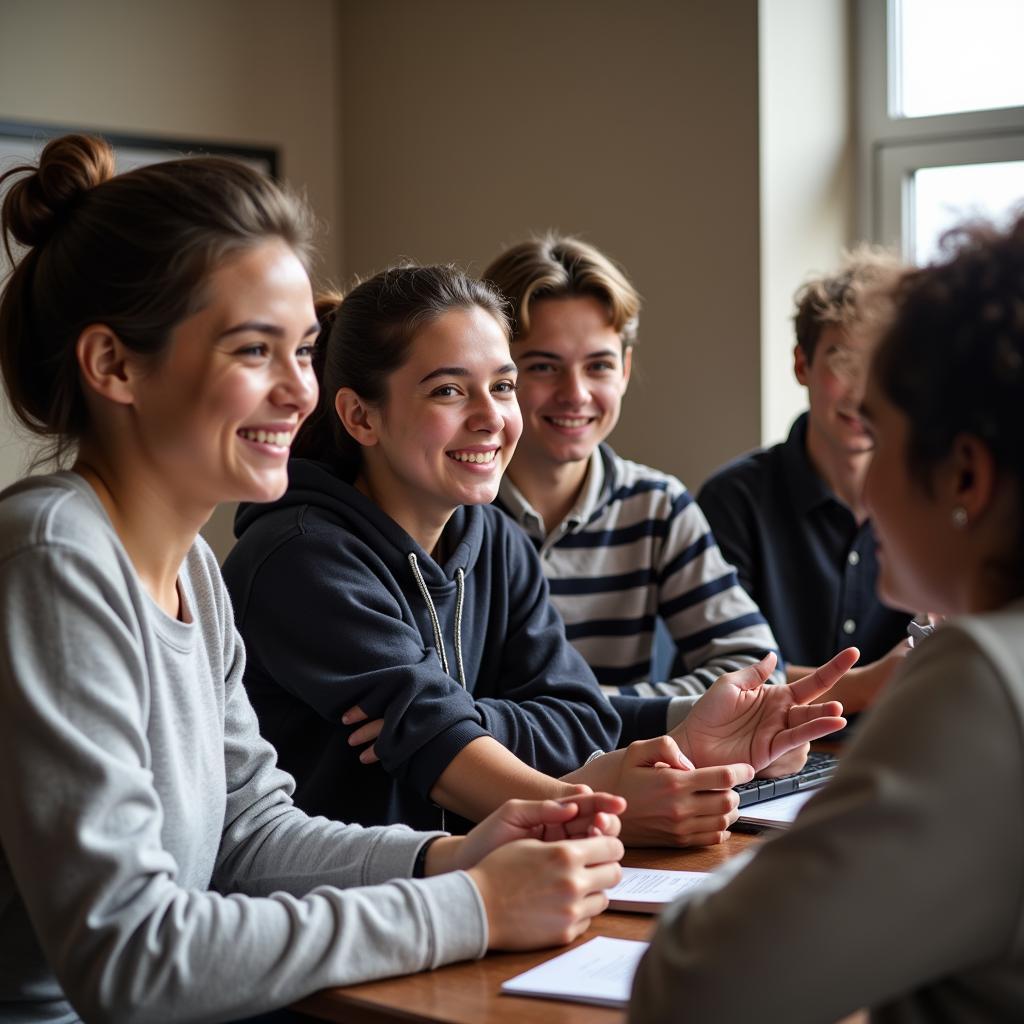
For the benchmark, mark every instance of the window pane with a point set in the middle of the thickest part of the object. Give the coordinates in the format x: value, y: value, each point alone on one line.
x: 945, y: 196
x: 957, y: 55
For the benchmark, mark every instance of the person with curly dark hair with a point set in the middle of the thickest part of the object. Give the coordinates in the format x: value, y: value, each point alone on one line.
x: 899, y: 887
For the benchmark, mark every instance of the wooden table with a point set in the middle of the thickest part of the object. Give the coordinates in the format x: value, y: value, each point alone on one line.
x: 469, y: 993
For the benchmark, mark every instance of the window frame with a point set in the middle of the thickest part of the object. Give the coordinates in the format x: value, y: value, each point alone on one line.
x: 891, y: 147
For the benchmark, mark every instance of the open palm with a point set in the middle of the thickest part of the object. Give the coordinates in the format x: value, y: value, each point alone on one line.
x: 743, y: 718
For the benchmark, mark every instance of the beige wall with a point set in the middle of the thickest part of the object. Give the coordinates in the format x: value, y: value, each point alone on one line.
x: 467, y: 125
x: 244, y: 71
x: 443, y: 130
x: 807, y: 182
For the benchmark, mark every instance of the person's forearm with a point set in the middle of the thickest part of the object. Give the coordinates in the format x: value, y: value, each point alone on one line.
x: 849, y: 691
x: 484, y: 774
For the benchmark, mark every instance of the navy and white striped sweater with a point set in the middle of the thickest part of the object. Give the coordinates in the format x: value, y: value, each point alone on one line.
x: 635, y: 548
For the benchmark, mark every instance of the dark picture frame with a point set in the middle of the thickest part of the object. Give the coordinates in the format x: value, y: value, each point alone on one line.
x: 22, y: 140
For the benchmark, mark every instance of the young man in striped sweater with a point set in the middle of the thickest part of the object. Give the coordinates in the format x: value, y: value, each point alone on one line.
x: 622, y: 544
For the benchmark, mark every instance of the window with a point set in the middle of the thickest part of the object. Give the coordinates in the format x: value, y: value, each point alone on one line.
x: 941, y: 117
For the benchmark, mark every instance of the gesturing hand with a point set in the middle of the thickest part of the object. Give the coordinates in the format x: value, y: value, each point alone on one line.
x: 742, y: 718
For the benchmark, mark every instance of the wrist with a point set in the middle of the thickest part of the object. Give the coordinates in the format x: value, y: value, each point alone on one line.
x: 682, y: 737
x: 487, y: 899
x: 599, y: 773
x: 439, y: 855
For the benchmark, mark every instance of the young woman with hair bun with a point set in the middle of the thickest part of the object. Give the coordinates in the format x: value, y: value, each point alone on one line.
x: 157, y: 334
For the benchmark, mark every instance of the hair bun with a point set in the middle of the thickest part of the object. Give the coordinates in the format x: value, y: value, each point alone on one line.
x: 68, y: 167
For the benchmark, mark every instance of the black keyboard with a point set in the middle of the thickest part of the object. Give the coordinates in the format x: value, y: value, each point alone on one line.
x: 817, y: 770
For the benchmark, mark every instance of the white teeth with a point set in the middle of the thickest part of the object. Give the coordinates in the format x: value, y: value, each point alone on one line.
x: 281, y: 438
x: 565, y: 421
x: 474, y: 456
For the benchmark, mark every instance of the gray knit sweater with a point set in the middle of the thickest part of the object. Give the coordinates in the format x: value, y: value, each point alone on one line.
x: 153, y: 867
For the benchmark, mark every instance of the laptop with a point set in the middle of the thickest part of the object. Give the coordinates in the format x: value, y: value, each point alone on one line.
x: 816, y: 772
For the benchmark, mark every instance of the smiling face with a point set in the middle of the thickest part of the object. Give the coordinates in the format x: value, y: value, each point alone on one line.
x: 572, y: 376
x: 448, y: 426
x: 835, y: 388
x: 216, y: 413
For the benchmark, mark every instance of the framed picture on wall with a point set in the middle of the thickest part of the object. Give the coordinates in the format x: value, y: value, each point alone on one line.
x: 22, y: 141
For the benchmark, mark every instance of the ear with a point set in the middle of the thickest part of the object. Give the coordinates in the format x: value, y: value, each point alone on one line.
x: 800, y: 364
x: 970, y: 476
x: 359, y: 418
x: 107, y: 366
x: 627, y: 366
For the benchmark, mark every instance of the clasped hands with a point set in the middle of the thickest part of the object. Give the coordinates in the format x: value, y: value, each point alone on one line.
x: 541, y: 866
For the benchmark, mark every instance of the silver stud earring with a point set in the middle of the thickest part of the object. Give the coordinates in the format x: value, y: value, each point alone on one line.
x: 959, y: 517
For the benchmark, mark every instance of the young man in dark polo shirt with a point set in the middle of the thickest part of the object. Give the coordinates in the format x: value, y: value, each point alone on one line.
x: 791, y: 518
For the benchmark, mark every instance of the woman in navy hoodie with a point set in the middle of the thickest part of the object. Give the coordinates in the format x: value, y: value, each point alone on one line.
x: 384, y: 587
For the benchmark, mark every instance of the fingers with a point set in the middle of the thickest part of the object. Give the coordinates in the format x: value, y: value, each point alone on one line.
x: 752, y: 676
x: 713, y: 804
x: 706, y: 838
x: 593, y: 823
x: 366, y: 733
x: 790, y: 762
x: 807, y: 732
x: 527, y: 814
x: 579, y: 789
x: 660, y: 749
x: 706, y: 829
x: 590, y: 802
x: 800, y: 713
x: 353, y: 715
x: 602, y: 877
x: 606, y: 824
x: 598, y: 850
x: 721, y: 776
x: 369, y: 755
x: 803, y: 691
x: 599, y: 809
x: 594, y: 903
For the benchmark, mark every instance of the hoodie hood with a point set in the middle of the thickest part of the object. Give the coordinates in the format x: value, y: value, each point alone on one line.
x: 316, y: 487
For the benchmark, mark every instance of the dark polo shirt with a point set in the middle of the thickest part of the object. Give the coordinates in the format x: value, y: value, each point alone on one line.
x: 800, y: 554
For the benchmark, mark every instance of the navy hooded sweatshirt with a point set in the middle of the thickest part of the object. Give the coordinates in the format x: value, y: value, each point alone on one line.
x: 339, y: 606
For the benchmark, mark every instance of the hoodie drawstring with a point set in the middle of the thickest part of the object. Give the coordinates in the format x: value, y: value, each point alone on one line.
x: 460, y: 597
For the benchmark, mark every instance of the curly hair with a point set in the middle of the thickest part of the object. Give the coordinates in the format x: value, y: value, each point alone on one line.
x: 847, y: 298
x: 952, y: 357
